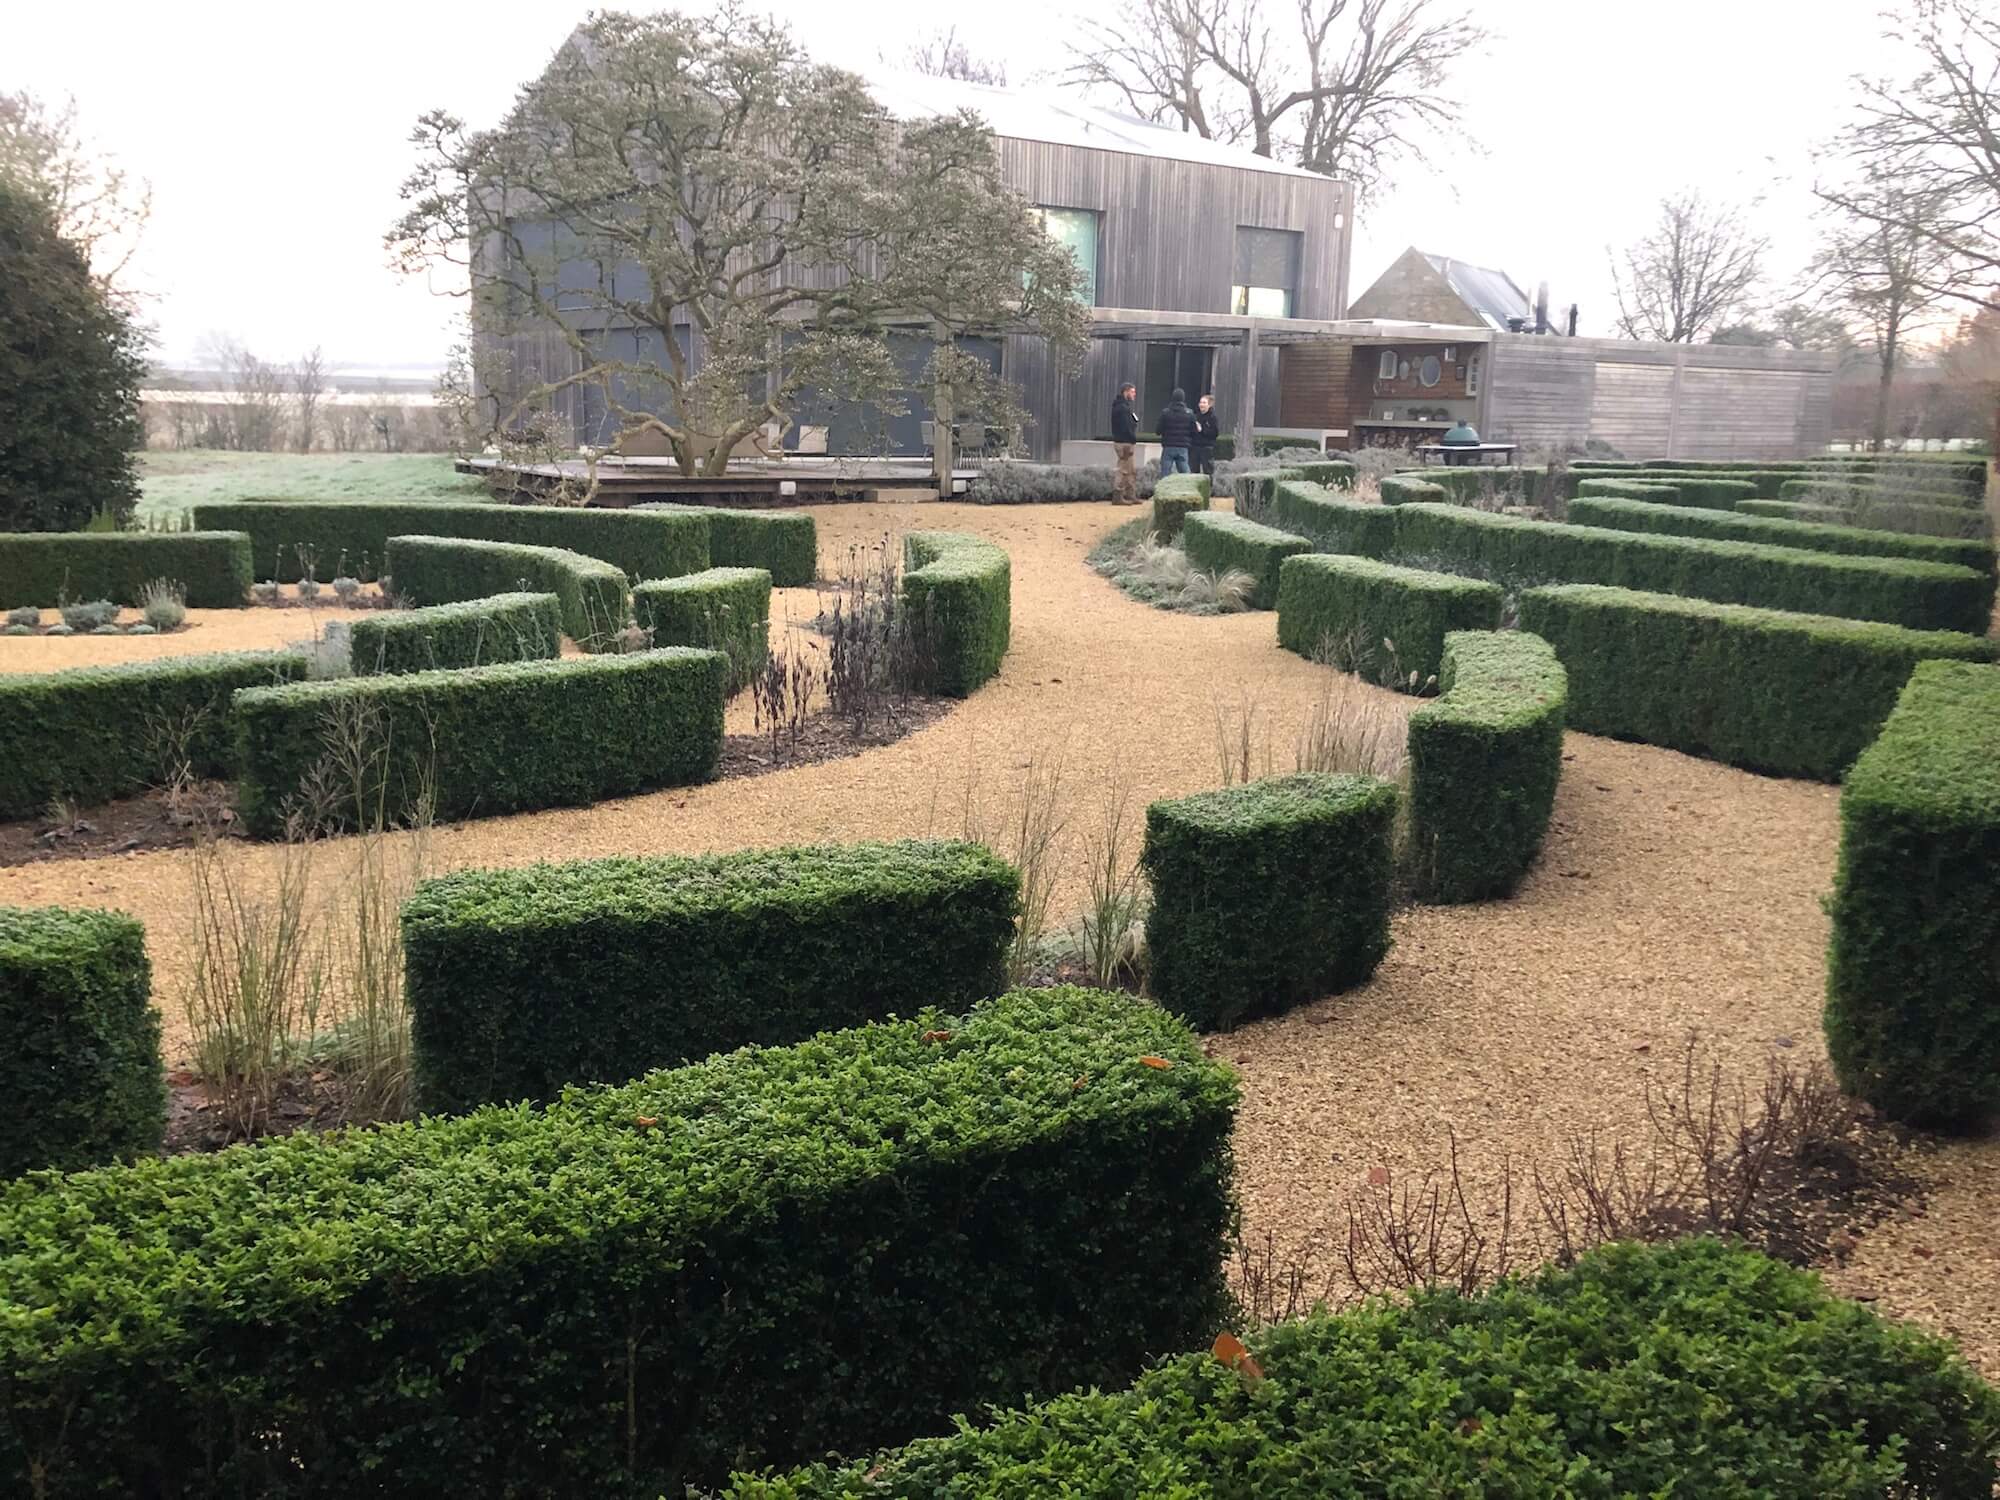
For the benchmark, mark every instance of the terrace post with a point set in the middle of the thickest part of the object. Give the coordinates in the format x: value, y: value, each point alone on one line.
x: 1246, y: 407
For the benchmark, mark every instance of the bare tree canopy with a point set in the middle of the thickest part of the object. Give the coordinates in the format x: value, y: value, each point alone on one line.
x: 1697, y: 269
x: 940, y: 54
x: 97, y: 206
x: 1795, y: 325
x: 1350, y: 88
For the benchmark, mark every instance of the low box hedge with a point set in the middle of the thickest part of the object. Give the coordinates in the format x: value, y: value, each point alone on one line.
x: 1764, y: 482
x: 1965, y: 474
x: 1852, y: 541
x: 1173, y: 498
x: 1386, y: 622
x: 1900, y: 591
x: 784, y: 543
x: 1913, y: 981
x: 1519, y: 484
x: 1795, y: 695
x: 1925, y: 520
x: 755, y: 1260
x: 1331, y: 522
x: 477, y: 633
x: 1484, y: 762
x: 1408, y: 489
x: 1335, y: 474
x: 1681, y: 489
x: 1681, y: 1369
x: 89, y: 734
x: 1217, y: 541
x: 1267, y: 895
x: 961, y: 588
x: 1839, y: 490
x: 499, y: 739
x: 521, y: 981
x: 44, y: 568
x: 1256, y: 491
x: 81, y: 1071
x: 596, y: 605
x: 723, y: 609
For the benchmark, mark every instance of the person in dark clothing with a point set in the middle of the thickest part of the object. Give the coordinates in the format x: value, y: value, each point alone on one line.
x: 1177, y: 430
x: 1124, y: 435
x: 1207, y: 428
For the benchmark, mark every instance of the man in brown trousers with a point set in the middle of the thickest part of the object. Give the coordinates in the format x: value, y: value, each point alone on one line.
x: 1124, y: 435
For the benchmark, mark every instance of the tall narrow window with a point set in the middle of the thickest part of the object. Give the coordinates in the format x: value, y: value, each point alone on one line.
x: 1267, y: 272
x: 1385, y: 367
x: 1076, y: 228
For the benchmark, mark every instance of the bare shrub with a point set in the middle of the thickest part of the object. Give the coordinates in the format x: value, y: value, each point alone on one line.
x: 783, y: 696
x: 1348, y: 728
x: 163, y: 604
x: 1108, y: 932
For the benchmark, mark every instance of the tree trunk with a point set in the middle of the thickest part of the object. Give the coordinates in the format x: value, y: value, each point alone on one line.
x: 1880, y: 436
x: 943, y: 415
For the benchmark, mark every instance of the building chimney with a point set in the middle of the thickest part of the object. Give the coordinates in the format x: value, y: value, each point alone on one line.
x: 1542, y: 308
x: 1572, y: 320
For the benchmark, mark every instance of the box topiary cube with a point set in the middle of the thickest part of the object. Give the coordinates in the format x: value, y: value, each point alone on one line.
x: 1218, y: 543
x: 784, y: 543
x: 1267, y: 895
x: 961, y: 589
x: 46, y: 567
x: 1174, y: 497
x: 1388, y: 623
x: 722, y: 609
x: 476, y: 633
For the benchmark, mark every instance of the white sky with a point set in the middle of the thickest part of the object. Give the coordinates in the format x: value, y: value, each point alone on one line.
x: 275, y: 136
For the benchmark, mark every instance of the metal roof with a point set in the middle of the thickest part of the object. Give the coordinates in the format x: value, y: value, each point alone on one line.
x: 1489, y: 293
x: 1167, y: 327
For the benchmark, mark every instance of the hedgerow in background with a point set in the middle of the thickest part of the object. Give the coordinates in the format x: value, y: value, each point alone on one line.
x: 46, y: 568
x: 713, y: 1268
x: 1173, y: 498
x: 1913, y: 968
x: 784, y: 543
x: 1012, y: 483
x: 477, y: 633
x: 81, y: 1071
x: 959, y: 591
x: 1385, y: 622
x: 522, y: 981
x: 723, y: 609
x: 596, y: 603
x: 1920, y: 520
x: 1218, y: 542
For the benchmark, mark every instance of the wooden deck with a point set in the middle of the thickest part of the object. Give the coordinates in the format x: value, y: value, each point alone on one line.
x: 747, y: 485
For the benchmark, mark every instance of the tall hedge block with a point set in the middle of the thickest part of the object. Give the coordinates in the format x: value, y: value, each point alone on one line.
x: 1795, y: 695
x: 1913, y: 969
x: 961, y: 587
x: 751, y: 1261
x: 1331, y: 522
x: 1384, y: 621
x: 477, y: 633
x: 1174, y: 496
x: 1217, y: 541
x: 1851, y: 541
x: 499, y: 739
x: 523, y: 981
x: 723, y: 609
x: 44, y: 568
x: 81, y: 1072
x: 450, y: 570
x: 784, y: 543
x: 1268, y: 895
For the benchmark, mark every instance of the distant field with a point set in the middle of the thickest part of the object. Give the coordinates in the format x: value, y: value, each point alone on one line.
x: 173, y: 480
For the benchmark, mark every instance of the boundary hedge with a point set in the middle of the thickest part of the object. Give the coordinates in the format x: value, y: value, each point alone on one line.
x: 477, y: 633
x: 1354, y: 607
x: 1175, y: 496
x: 1217, y: 541
x: 43, y: 568
x: 1330, y: 522
x: 784, y: 543
x: 1853, y: 541
x: 450, y: 570
x: 961, y: 587
x: 723, y: 609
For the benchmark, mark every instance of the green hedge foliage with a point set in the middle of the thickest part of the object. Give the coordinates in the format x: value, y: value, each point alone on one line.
x: 1484, y: 762
x: 755, y: 1260
x: 1796, y: 695
x: 44, y: 568
x: 596, y: 604
x: 961, y: 587
x: 81, y: 1071
x: 1763, y: 482
x: 1913, y: 969
x: 1173, y: 498
x: 784, y: 543
x: 1375, y: 618
x: 477, y: 633
x: 1336, y: 474
x: 1682, y: 1369
x: 1217, y: 541
x: 1853, y: 541
x: 93, y: 733
x: 499, y: 739
x: 522, y: 981
x: 1967, y: 474
x: 1901, y: 591
x: 1656, y: 490
x: 1267, y: 895
x: 353, y: 535
x: 723, y: 609
x: 1927, y: 520
x: 1834, y: 490
x: 1520, y: 484
x: 1330, y: 522
x: 1256, y: 492
x: 1408, y: 489
x: 1684, y: 490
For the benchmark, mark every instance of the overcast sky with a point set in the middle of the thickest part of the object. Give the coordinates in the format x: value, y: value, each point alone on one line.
x: 275, y: 136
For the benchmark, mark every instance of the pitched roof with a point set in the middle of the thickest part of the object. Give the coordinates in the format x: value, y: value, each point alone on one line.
x: 1489, y: 293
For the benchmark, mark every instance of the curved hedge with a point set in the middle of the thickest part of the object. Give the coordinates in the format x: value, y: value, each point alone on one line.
x: 1217, y: 541
x: 1330, y: 522
x: 1484, y: 762
x: 477, y: 633
x: 754, y: 1260
x: 784, y: 543
x: 1853, y: 541
x: 522, y: 981
x: 1683, y: 1369
x: 508, y: 738
x: 1378, y: 619
x: 1913, y: 968
x: 1174, y: 497
x: 49, y: 567
x: 1796, y: 695
x: 961, y: 587
x: 724, y: 609
x: 450, y: 570
x: 1684, y: 490
x: 1926, y: 520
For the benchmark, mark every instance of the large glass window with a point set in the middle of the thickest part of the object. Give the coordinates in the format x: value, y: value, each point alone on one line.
x: 1267, y: 272
x: 1076, y: 228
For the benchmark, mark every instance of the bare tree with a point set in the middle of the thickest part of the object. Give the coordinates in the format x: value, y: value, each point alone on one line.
x: 1698, y: 267
x: 254, y: 415
x: 940, y: 54
x: 308, y: 386
x: 98, y: 207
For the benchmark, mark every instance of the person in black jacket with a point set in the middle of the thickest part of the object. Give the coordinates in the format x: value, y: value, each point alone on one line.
x: 1207, y: 428
x: 1124, y: 434
x: 1177, y: 430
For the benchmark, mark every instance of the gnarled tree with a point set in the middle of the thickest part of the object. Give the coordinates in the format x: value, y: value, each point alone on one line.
x: 1698, y: 267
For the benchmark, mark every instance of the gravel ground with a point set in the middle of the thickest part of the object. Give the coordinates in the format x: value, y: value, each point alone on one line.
x: 1674, y: 894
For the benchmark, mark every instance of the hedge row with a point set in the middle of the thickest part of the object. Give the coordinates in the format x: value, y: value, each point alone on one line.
x: 1524, y: 484
x: 1335, y: 474
x: 784, y: 543
x: 499, y: 739
x: 962, y: 589
x: 1386, y: 622
x: 1840, y: 491
x: 1267, y: 895
x: 1927, y: 520
x: 1700, y: 494
x: 1961, y: 473
x: 1682, y: 1369
x: 44, y: 568
x: 523, y: 981
x: 1902, y: 591
x: 1913, y: 986
x: 477, y: 633
x: 1330, y: 522
x: 1762, y: 482
x: 1218, y: 541
x: 1484, y: 762
x: 81, y: 1072
x: 93, y: 733
x: 1408, y: 489
x: 758, y: 1259
x: 1797, y: 695
x: 450, y: 570
x: 723, y: 609
x: 1256, y: 492
x: 1173, y: 497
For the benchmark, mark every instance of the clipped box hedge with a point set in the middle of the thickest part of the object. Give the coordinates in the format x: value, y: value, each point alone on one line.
x: 1267, y: 895
x: 961, y: 587
x: 755, y: 1260
x: 1384, y: 621
x: 1795, y: 695
x: 1680, y: 489
x: 450, y: 570
x: 1926, y: 520
x: 93, y: 733
x: 1522, y: 484
x: 1256, y: 492
x: 1682, y: 1369
x: 477, y: 633
x: 1841, y: 490
x: 1217, y: 541
x: 1335, y: 474
x: 522, y: 981
x: 1484, y: 762
x: 784, y: 543
x: 723, y: 609
x: 1967, y: 475
x: 1174, y: 496
x: 1763, y: 482
x: 1331, y: 522
x: 1408, y: 489
x: 81, y: 1071
x: 1852, y: 541
x: 1913, y: 968
x: 44, y: 568
x: 498, y: 739
x: 1901, y: 591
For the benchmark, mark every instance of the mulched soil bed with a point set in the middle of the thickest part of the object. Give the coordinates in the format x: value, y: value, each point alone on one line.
x: 152, y: 820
